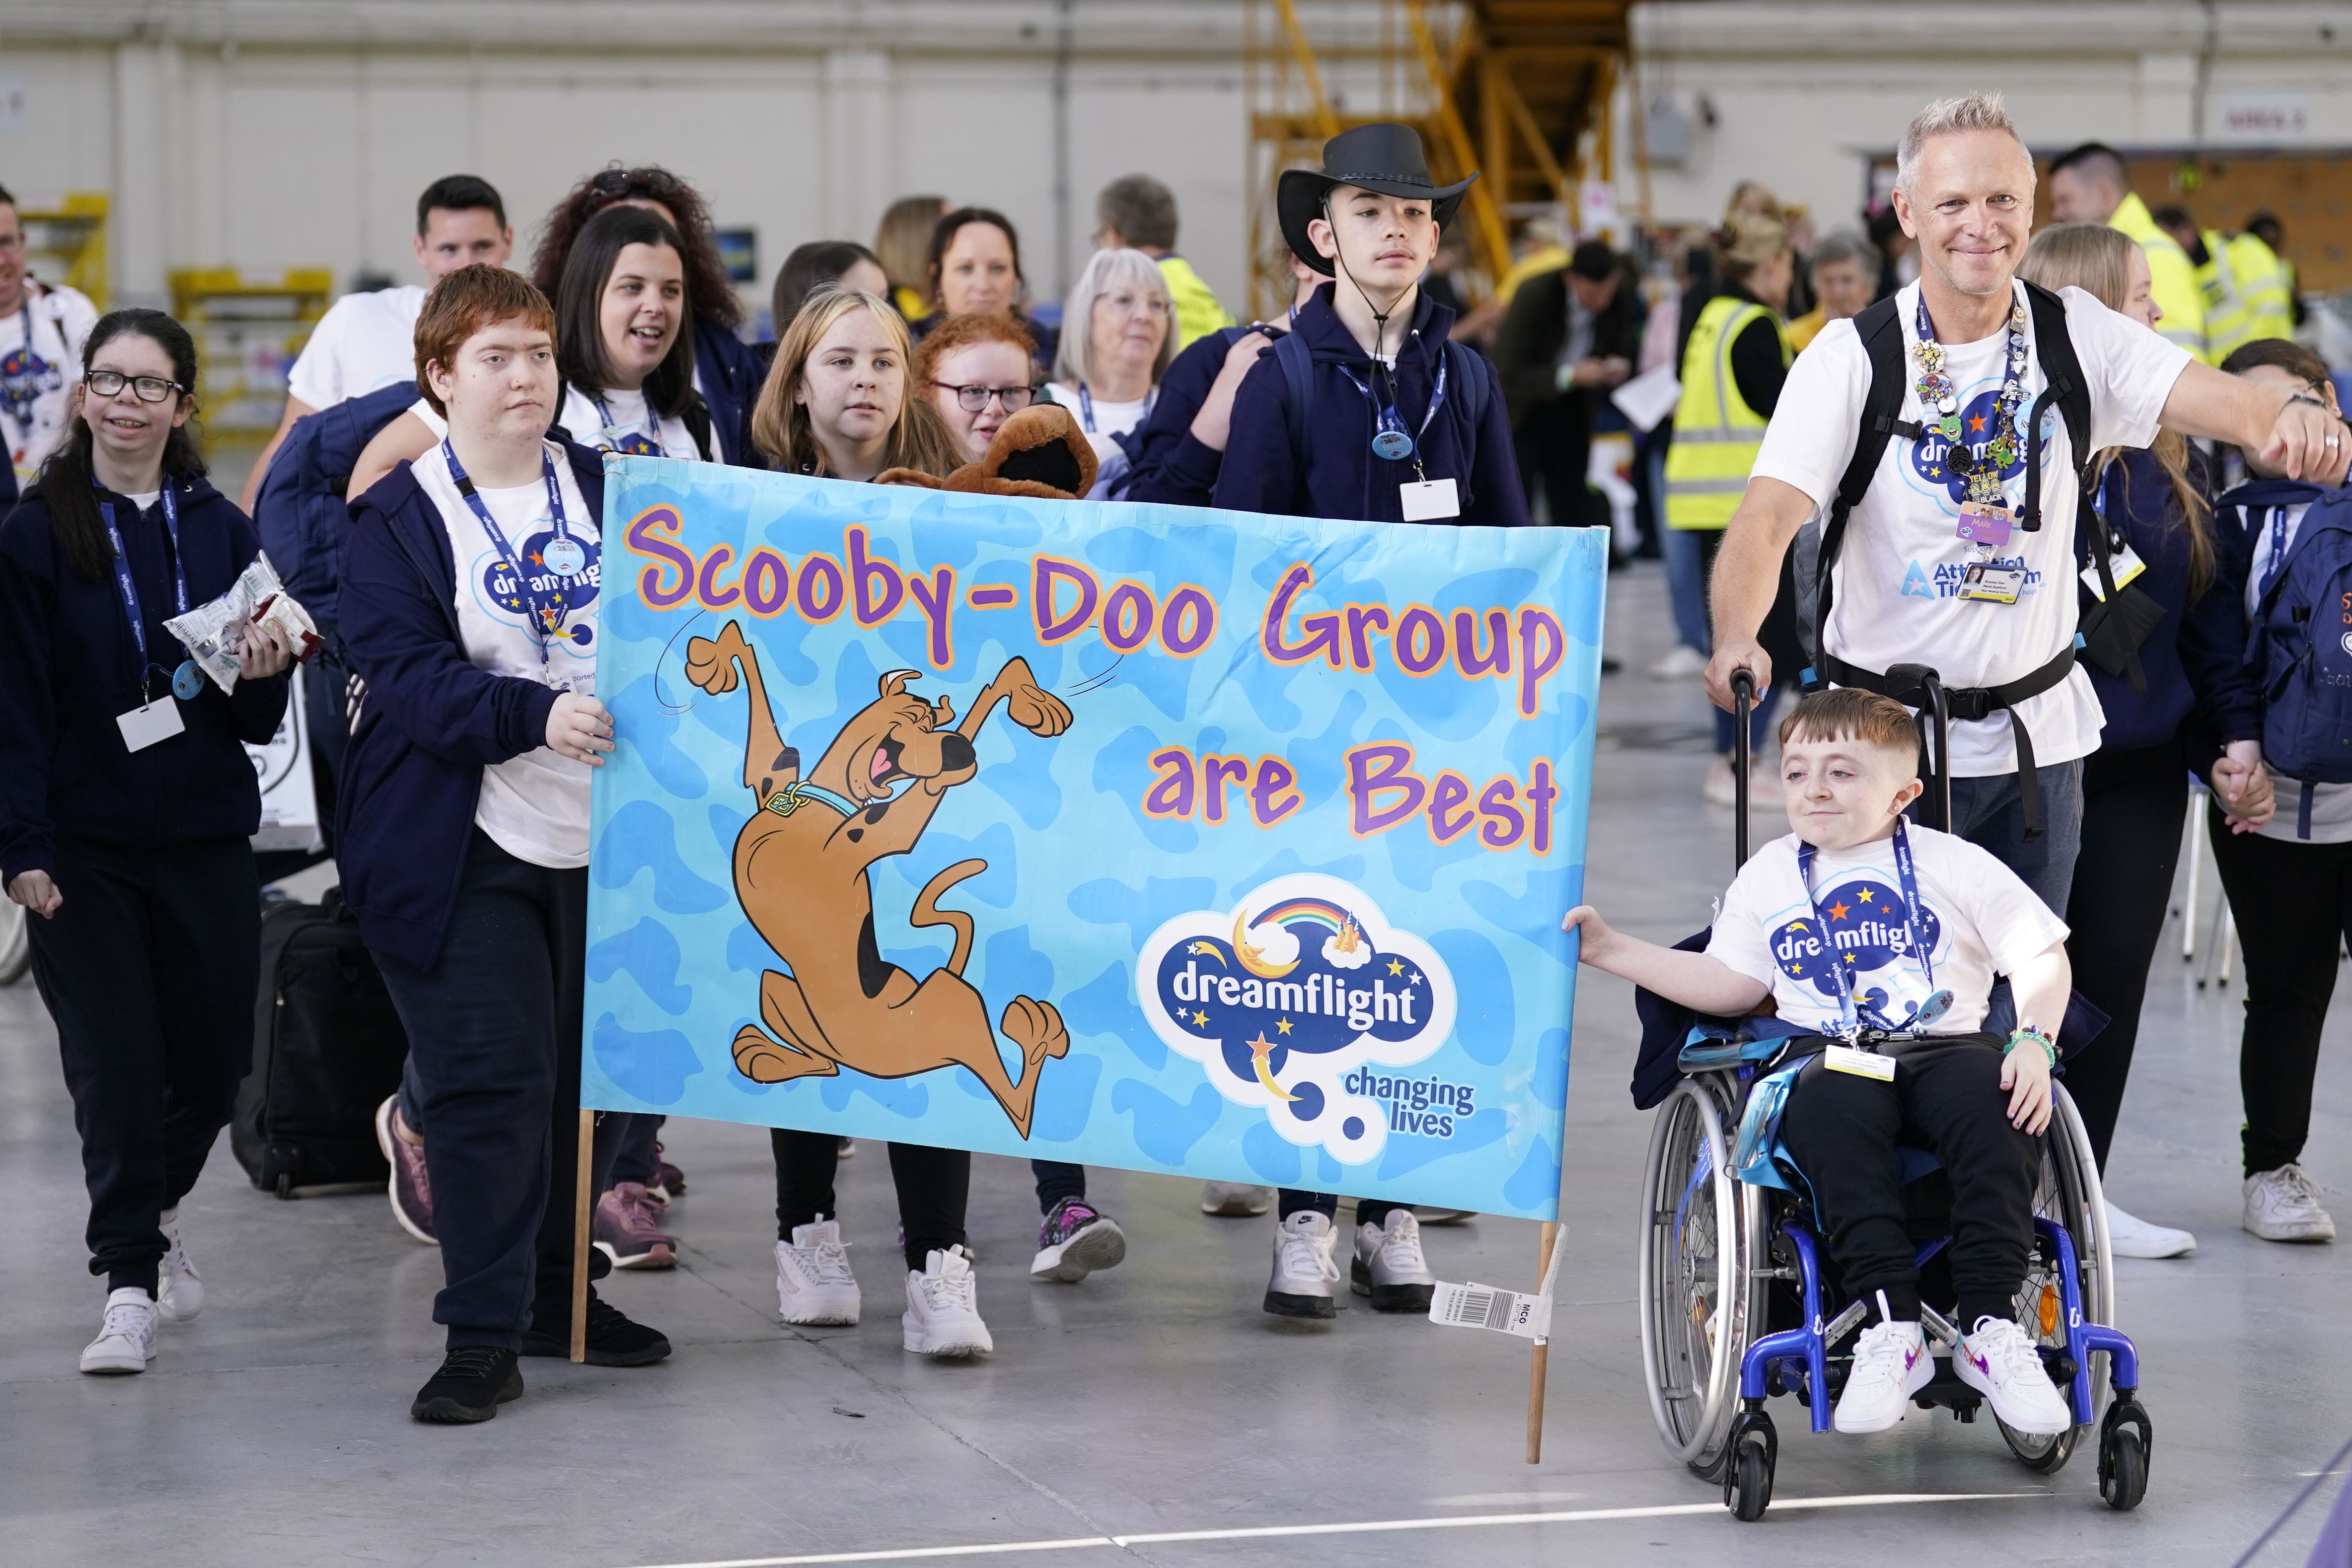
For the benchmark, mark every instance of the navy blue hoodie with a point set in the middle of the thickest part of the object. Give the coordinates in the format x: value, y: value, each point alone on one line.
x: 1170, y: 465
x: 2192, y: 660
x: 68, y: 668
x: 1344, y: 479
x: 730, y: 374
x: 431, y: 721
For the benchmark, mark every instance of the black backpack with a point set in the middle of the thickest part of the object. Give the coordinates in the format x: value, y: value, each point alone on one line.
x: 1881, y: 331
x: 326, y: 1049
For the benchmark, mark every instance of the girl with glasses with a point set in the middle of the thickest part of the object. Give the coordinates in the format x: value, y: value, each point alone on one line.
x: 975, y: 371
x: 127, y: 805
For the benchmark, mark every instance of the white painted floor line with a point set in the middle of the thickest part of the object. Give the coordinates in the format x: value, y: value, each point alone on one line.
x: 1576, y: 1516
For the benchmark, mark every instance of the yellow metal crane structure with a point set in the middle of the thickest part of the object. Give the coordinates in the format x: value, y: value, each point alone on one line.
x: 1518, y: 89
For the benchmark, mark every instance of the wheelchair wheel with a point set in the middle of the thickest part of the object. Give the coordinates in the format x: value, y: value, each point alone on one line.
x: 1701, y: 1236
x: 2069, y: 1194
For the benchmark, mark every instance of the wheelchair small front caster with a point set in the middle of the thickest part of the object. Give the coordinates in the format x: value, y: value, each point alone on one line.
x: 1748, y: 1477
x: 2125, y: 1438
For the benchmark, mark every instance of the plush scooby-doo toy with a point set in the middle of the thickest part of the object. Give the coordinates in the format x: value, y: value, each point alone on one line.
x: 1039, y: 452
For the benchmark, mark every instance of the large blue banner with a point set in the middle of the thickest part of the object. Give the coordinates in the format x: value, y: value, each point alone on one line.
x: 1140, y: 836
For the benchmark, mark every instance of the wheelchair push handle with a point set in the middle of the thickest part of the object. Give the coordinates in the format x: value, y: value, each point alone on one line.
x: 1743, y: 701
x: 1919, y: 687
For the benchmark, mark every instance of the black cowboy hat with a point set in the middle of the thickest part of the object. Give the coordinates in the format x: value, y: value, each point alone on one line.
x: 1383, y: 156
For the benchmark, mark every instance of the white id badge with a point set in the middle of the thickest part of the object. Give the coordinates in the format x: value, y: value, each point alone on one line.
x: 2125, y: 564
x: 143, y: 726
x: 1429, y: 501
x: 1992, y: 584
x: 1861, y: 1063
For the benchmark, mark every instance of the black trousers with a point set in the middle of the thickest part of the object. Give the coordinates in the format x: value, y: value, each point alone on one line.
x: 934, y: 1186
x: 494, y: 1038
x: 2293, y: 903
x: 1947, y: 1098
x: 1057, y: 1179
x: 2133, y: 805
x: 148, y: 968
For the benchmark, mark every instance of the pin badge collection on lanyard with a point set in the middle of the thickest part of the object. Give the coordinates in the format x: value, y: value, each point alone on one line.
x: 1985, y: 515
x: 563, y: 556
x: 1850, y: 1020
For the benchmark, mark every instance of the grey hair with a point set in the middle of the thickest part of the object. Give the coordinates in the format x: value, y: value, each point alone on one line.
x: 1948, y: 117
x: 1105, y: 270
x: 1847, y: 244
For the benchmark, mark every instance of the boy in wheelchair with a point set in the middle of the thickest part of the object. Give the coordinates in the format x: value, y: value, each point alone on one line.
x: 1867, y: 930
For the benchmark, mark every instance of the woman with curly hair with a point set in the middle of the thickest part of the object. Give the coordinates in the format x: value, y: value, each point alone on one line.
x: 726, y: 371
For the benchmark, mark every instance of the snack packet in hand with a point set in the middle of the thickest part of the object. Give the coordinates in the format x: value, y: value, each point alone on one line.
x: 213, y: 632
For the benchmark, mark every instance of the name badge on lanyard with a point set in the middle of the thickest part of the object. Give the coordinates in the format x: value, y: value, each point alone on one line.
x: 149, y: 723
x: 563, y: 556
x: 1420, y: 499
x: 1850, y: 1023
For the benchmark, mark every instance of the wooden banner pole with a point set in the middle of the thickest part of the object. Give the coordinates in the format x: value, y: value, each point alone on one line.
x: 584, y: 1200
x: 1540, y: 1356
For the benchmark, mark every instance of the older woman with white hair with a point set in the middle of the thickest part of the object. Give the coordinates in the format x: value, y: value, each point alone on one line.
x: 1118, y: 337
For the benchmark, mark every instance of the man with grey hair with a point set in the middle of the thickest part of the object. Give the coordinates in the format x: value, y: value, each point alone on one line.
x: 1844, y: 266
x: 1924, y: 437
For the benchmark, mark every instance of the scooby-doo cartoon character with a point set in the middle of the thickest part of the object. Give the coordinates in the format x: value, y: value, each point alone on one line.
x: 799, y: 875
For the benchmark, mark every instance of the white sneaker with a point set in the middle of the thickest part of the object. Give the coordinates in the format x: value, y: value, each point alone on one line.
x: 2284, y: 1205
x: 1890, y: 1365
x: 126, y: 1339
x: 1304, y: 1267
x: 1232, y: 1200
x: 1681, y: 662
x: 942, y: 1316
x: 1389, y: 1267
x: 814, y: 1284
x: 2131, y: 1237
x: 180, y: 1294
x: 1998, y: 1361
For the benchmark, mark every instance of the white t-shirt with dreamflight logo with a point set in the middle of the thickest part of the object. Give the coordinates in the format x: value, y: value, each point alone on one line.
x: 1977, y: 919
x: 1898, y: 572
x: 535, y: 806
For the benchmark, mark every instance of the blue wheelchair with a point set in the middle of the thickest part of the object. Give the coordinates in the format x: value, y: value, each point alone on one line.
x: 1739, y: 1302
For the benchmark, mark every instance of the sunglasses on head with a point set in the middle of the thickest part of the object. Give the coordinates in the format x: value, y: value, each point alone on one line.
x: 658, y: 183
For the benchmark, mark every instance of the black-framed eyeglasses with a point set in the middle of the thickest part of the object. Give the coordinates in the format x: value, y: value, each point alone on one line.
x: 149, y: 389
x: 971, y: 400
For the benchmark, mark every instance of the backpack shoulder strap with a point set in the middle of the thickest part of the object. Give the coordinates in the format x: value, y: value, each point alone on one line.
x: 1470, y: 368
x: 2066, y: 386
x: 1881, y: 331
x: 1297, y: 362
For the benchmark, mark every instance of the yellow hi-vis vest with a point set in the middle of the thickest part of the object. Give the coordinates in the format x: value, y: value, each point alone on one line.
x: 1717, y: 434
x: 2175, y: 279
x: 1193, y: 302
x: 2246, y: 295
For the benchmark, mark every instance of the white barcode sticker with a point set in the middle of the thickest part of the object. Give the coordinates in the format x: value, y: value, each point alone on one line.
x: 1476, y: 1306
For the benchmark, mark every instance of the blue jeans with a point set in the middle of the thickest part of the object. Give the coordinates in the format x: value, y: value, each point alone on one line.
x: 1989, y: 814
x: 1686, y: 586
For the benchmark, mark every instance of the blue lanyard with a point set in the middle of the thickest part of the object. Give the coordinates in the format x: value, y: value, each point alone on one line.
x: 548, y: 615
x: 653, y: 422
x: 1849, y: 1024
x: 2277, y: 561
x: 1390, y: 440
x: 130, y: 589
x: 1085, y: 408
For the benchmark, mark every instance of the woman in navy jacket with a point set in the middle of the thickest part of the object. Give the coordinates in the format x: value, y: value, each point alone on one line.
x: 1381, y: 442
x: 127, y: 805
x: 2181, y: 676
x: 463, y: 824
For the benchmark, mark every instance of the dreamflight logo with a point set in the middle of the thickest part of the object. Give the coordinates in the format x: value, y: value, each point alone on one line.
x: 1290, y: 1001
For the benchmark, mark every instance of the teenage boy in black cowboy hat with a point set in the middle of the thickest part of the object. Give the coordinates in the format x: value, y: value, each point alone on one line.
x: 1397, y: 425
x: 1375, y: 416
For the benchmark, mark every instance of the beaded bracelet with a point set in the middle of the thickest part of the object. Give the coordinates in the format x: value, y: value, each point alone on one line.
x: 2024, y: 1032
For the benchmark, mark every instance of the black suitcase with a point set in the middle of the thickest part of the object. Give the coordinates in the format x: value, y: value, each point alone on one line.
x: 326, y: 1048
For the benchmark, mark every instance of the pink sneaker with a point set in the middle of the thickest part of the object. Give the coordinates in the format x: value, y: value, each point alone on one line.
x: 624, y: 1228
x: 410, y: 1186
